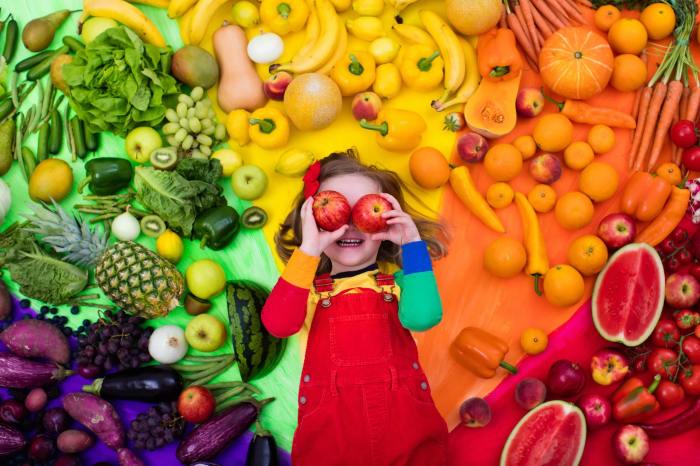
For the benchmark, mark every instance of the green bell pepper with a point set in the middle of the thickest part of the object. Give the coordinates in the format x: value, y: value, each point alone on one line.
x: 107, y: 175
x: 217, y: 227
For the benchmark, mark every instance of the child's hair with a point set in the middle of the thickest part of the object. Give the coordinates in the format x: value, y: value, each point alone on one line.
x: 289, y: 235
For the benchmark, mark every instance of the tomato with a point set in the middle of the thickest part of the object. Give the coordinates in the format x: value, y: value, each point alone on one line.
x: 687, y: 319
x: 691, y: 158
x: 669, y: 394
x: 679, y: 235
x: 683, y: 133
x: 684, y: 256
x: 690, y: 379
x: 666, y: 334
x: 695, y: 271
x: 691, y: 348
x: 664, y: 362
x: 668, y: 246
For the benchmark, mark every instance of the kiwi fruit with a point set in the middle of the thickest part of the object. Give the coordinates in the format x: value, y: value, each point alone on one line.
x: 195, y: 306
x: 164, y: 158
x: 253, y: 218
x: 152, y: 225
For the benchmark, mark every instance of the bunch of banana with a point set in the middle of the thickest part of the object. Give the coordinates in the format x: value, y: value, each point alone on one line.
x: 178, y: 8
x: 400, y: 4
x: 294, y: 162
x: 470, y: 83
x: 125, y: 13
x: 155, y: 3
x: 201, y: 17
x: 451, y: 51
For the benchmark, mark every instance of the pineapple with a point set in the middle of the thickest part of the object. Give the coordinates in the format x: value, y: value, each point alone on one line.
x: 131, y: 275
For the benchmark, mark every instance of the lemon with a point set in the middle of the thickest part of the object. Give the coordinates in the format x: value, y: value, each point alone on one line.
x: 205, y: 278
x: 230, y: 161
x: 245, y: 14
x: 169, y: 246
x: 384, y: 49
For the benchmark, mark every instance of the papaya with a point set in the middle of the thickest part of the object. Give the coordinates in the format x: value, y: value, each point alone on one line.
x: 490, y: 111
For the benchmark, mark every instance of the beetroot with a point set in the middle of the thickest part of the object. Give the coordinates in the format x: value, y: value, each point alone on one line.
x: 31, y: 338
x: 41, y: 448
x: 97, y: 415
x: 17, y: 372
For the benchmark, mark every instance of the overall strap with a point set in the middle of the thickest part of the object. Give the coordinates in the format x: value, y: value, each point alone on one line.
x: 323, y: 285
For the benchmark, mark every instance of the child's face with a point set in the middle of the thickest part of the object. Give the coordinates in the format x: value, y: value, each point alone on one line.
x: 354, y: 250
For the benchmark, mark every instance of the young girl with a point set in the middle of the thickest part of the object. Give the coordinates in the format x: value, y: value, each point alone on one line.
x: 363, y: 397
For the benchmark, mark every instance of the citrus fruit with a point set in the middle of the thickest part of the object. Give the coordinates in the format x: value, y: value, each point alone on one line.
x: 526, y: 145
x: 503, y: 162
x: 51, y: 179
x: 499, y: 195
x: 629, y: 73
x: 627, y: 35
x: 533, y: 340
x: 428, y: 167
x: 599, y: 181
x: 505, y: 257
x: 659, y: 19
x: 169, y: 246
x: 670, y: 172
x: 573, y: 210
x: 563, y: 285
x: 578, y: 155
x: 542, y: 197
x: 245, y: 14
x: 588, y: 254
x: 605, y: 17
x: 601, y: 139
x: 553, y: 132
x: 230, y: 161
x: 205, y: 278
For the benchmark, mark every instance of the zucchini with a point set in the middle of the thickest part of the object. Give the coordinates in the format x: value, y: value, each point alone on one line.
x: 150, y: 383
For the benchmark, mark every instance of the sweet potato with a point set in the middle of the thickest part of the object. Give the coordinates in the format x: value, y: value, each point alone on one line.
x: 31, y: 338
x: 74, y: 441
x: 97, y: 415
x: 128, y: 458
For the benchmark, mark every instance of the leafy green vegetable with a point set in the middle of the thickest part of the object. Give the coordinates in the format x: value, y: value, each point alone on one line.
x: 207, y: 170
x: 117, y: 82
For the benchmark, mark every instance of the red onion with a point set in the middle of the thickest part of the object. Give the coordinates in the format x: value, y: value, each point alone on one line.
x: 565, y: 379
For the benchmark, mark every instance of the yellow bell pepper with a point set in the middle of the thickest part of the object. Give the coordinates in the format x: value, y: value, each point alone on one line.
x: 284, y: 16
x: 237, y: 126
x: 397, y: 130
x: 537, y: 260
x: 269, y: 128
x: 421, y: 67
x: 464, y: 187
x: 387, y: 84
x: 354, y: 73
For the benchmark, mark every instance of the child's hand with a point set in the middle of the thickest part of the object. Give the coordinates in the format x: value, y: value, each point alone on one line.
x: 401, y: 228
x: 314, y: 242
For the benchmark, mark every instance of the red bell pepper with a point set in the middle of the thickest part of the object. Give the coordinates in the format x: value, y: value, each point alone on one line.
x: 633, y: 402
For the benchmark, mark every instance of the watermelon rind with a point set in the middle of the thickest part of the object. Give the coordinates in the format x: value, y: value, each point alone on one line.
x: 568, y: 408
x: 656, y: 315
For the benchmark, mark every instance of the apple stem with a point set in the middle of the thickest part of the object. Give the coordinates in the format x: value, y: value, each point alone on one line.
x: 382, y: 128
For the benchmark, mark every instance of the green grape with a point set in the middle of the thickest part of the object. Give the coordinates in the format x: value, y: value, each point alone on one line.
x: 170, y: 128
x: 172, y: 141
x: 208, y: 131
x: 171, y: 115
x: 187, y: 143
x: 180, y: 135
x: 197, y: 93
x: 220, y: 132
x: 198, y: 154
x: 181, y: 110
x: 185, y: 99
x: 206, y: 123
x: 206, y: 150
x: 184, y: 123
x: 204, y: 140
x: 200, y: 111
x: 195, y: 125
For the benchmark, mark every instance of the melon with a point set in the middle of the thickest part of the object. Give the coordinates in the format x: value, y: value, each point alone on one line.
x: 628, y: 295
x: 553, y: 433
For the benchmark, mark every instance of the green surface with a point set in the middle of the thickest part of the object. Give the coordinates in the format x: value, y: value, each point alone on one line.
x: 249, y: 257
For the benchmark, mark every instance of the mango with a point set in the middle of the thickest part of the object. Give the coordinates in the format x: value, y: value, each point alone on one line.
x: 195, y: 66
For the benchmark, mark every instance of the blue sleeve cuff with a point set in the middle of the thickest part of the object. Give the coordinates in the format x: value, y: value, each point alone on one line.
x: 415, y: 257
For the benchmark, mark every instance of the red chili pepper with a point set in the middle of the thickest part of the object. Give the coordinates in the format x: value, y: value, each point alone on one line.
x: 690, y: 379
x: 687, y: 319
x: 663, y: 361
x: 691, y: 348
x: 633, y: 402
x: 678, y: 424
x: 669, y: 394
x: 666, y: 334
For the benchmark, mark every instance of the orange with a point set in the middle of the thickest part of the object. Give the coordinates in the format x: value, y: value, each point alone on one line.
x: 553, y: 132
x: 428, y: 167
x: 601, y: 138
x: 542, y: 198
x: 578, y: 155
x: 628, y: 35
x: 629, y: 73
x: 499, y: 195
x: 573, y: 210
x: 503, y: 162
x: 659, y: 19
x: 670, y: 172
x: 533, y: 340
x: 598, y: 181
x: 563, y: 285
x: 505, y: 257
x: 588, y: 254
x: 526, y: 145
x: 605, y: 16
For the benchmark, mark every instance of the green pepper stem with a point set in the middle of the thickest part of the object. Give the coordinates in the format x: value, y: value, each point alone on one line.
x: 283, y: 9
x: 655, y: 384
x: 560, y: 105
x: 267, y: 125
x: 355, y: 67
x: 84, y: 183
x: 382, y: 128
x: 509, y: 367
x: 425, y: 63
x: 499, y: 71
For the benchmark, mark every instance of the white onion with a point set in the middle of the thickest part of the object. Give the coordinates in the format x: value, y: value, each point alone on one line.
x: 167, y: 344
x: 126, y: 227
x: 265, y: 48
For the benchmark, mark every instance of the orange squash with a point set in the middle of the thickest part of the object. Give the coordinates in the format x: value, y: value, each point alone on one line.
x: 490, y: 111
x: 576, y: 63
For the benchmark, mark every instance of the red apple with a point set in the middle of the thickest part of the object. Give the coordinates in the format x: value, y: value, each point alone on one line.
x: 331, y: 210
x: 367, y: 213
x: 529, y: 102
x: 596, y: 409
x: 366, y: 105
x: 196, y: 404
x: 682, y: 290
x: 545, y: 168
x: 631, y: 444
x: 275, y: 86
x: 617, y: 230
x: 472, y: 147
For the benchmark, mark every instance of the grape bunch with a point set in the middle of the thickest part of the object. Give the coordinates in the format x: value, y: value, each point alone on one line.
x: 115, y: 341
x: 192, y: 125
x: 156, y: 427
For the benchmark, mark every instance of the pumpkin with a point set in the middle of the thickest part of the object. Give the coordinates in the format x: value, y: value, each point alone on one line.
x: 490, y: 111
x: 576, y: 63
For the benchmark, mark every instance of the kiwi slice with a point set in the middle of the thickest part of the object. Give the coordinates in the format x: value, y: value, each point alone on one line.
x: 253, y: 218
x: 152, y: 225
x: 195, y: 306
x: 164, y: 158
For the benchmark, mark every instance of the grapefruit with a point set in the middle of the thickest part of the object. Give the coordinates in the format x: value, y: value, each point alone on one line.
x: 312, y: 101
x: 628, y: 295
x: 473, y: 17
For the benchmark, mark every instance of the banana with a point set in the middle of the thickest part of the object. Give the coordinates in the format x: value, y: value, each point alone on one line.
x: 185, y: 22
x: 294, y: 162
x: 203, y: 12
x: 450, y: 50
x: 155, y: 3
x: 313, y: 29
x: 124, y: 13
x: 400, y: 4
x: 366, y: 28
x: 414, y: 34
x: 341, y: 5
x: 470, y: 83
x: 340, y: 50
x: 178, y: 8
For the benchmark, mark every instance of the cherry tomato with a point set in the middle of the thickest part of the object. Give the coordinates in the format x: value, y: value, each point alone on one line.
x: 695, y: 271
x: 683, y: 133
x: 666, y: 334
x: 691, y: 158
x: 664, y: 362
x: 673, y: 264
x: 668, y: 246
x: 697, y: 331
x: 686, y: 319
x: 684, y: 256
x: 690, y: 379
x: 691, y: 348
x: 679, y: 235
x: 669, y: 394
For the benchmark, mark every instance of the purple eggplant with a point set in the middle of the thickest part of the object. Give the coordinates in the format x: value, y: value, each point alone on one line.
x: 148, y: 383
x: 262, y: 450
x: 11, y: 440
x: 17, y: 372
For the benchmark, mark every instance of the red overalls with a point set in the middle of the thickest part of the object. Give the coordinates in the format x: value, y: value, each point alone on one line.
x: 363, y: 398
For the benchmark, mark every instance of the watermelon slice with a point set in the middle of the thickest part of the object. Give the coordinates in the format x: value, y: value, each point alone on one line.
x: 628, y: 296
x: 552, y: 434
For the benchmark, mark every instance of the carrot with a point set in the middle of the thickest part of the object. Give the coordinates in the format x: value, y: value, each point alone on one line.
x: 670, y: 107
x: 573, y: 11
x: 637, y: 100
x: 530, y: 22
x: 667, y: 220
x: 524, y: 42
x: 542, y: 23
x: 644, y: 99
x: 556, y: 8
x: 549, y: 14
x: 676, y: 117
x: 683, y: 105
x: 657, y: 100
x: 585, y: 3
x: 518, y: 11
x: 691, y: 111
x: 502, y: 21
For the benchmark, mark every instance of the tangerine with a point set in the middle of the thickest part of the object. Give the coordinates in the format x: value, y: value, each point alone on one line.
x: 659, y: 19
x: 605, y: 17
x: 670, y: 172
x: 505, y: 257
x: 629, y: 73
x: 598, y: 181
x: 553, y: 132
x: 588, y: 254
x: 563, y: 285
x: 499, y: 195
x: 533, y: 340
x: 628, y: 35
x: 573, y: 210
x: 526, y: 145
x: 601, y: 138
x: 542, y: 197
x: 428, y: 167
x: 578, y: 155
x: 503, y: 162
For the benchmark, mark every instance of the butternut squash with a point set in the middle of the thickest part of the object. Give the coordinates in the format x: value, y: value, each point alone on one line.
x: 490, y: 111
x: 239, y: 85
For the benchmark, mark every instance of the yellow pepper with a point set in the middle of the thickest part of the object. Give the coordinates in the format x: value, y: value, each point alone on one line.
x: 284, y: 16
x: 269, y: 128
x: 237, y: 126
x: 354, y: 72
x: 537, y: 260
x: 421, y: 67
x: 464, y: 187
x: 387, y: 84
x: 397, y: 130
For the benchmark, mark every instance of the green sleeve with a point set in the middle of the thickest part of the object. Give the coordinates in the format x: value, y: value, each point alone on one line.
x: 420, y: 307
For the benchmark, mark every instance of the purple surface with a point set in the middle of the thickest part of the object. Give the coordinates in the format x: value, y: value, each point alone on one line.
x: 234, y: 455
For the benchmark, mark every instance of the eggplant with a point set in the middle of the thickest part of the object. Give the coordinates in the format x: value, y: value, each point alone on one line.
x: 211, y: 437
x: 17, y: 372
x: 262, y: 450
x: 11, y: 440
x: 151, y: 384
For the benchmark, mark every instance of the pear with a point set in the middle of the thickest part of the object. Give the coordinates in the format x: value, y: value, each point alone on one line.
x: 39, y: 32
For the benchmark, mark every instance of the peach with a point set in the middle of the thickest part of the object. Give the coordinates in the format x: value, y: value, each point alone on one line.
x: 472, y: 147
x: 545, y: 168
x: 530, y: 392
x: 475, y: 412
x: 275, y: 86
x: 366, y: 105
x: 529, y: 102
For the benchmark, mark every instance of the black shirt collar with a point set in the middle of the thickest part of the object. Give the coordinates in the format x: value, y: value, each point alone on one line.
x: 352, y: 273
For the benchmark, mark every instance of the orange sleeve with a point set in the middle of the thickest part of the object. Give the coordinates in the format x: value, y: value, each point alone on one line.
x: 301, y: 269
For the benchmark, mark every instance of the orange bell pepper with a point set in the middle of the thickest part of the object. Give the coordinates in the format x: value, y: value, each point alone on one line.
x: 644, y: 196
x: 498, y: 56
x: 481, y: 352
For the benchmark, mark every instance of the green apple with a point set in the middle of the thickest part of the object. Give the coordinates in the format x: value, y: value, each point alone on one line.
x: 140, y: 142
x: 249, y: 182
x: 205, y: 333
x: 95, y: 26
x: 205, y: 278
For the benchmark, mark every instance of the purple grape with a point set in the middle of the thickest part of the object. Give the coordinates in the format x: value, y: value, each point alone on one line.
x: 89, y: 372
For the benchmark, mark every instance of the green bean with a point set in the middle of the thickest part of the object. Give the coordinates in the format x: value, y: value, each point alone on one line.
x: 55, y: 132
x: 14, y: 90
x: 32, y: 61
x: 42, y: 145
x: 79, y: 136
x: 48, y: 98
x: 29, y: 161
x: 6, y: 108
x: 18, y: 145
x: 38, y: 71
x: 73, y: 43
x: 11, y: 35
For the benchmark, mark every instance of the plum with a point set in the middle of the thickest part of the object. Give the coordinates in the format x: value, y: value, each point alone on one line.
x: 530, y: 392
x: 475, y: 412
